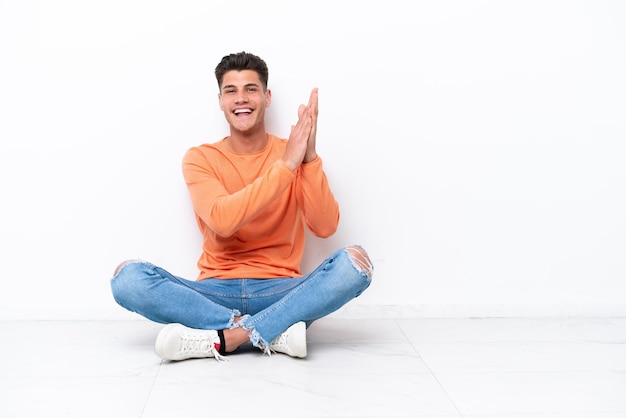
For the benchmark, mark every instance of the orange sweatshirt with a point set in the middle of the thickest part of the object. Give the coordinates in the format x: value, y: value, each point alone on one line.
x: 252, y: 209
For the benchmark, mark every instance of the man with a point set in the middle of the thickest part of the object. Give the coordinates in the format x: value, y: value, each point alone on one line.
x: 253, y: 195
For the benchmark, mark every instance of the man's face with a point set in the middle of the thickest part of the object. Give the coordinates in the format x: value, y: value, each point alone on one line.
x: 243, y: 100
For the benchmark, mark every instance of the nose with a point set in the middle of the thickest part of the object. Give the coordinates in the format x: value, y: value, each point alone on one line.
x: 242, y: 97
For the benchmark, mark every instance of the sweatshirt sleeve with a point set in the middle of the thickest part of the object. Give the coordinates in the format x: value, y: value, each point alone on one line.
x: 317, y: 201
x: 224, y: 212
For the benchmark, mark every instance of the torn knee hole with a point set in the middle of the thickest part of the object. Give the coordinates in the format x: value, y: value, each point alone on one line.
x: 360, y: 259
x: 122, y: 264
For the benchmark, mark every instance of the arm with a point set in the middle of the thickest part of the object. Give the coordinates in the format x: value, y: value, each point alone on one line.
x: 222, y: 211
x: 321, y: 210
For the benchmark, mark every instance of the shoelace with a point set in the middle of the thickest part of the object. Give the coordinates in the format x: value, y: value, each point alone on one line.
x: 197, y: 344
x: 279, y: 342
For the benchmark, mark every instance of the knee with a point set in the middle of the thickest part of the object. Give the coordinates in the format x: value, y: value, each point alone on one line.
x: 357, y: 283
x: 127, y: 279
x: 360, y: 259
x: 122, y: 264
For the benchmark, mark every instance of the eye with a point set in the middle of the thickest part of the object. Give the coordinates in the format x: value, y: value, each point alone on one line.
x: 252, y: 89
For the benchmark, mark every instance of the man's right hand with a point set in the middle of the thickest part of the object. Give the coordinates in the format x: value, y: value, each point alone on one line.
x: 299, y: 138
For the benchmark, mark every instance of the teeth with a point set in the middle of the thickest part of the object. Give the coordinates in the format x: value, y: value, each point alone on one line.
x: 238, y: 111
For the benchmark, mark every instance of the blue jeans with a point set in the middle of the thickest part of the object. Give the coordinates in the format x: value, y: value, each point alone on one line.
x: 266, y: 307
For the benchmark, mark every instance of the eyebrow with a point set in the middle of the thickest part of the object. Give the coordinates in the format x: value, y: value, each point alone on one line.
x: 228, y: 86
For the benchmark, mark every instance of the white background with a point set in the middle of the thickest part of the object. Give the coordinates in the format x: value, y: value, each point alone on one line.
x: 477, y: 148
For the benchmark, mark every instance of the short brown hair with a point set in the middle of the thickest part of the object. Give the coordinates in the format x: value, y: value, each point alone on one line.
x: 242, y: 61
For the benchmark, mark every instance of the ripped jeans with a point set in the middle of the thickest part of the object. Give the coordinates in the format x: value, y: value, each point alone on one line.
x: 265, y: 307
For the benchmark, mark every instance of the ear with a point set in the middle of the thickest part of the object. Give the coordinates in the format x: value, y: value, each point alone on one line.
x: 219, y: 99
x: 268, y: 98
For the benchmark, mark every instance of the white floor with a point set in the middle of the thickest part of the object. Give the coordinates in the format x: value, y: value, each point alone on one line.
x: 517, y: 368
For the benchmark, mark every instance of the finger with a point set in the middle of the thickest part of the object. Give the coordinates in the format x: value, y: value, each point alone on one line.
x: 304, y: 122
x: 313, y: 99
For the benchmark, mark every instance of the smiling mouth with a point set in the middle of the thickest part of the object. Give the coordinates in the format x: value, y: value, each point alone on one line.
x: 242, y: 111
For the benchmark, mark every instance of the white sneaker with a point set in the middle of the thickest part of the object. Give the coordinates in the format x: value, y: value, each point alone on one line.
x: 178, y: 342
x: 291, y: 342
